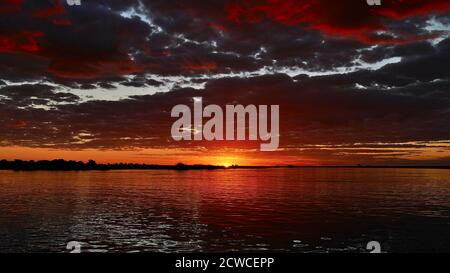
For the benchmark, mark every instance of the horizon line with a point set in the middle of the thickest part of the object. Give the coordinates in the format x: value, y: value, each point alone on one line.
x: 62, y: 164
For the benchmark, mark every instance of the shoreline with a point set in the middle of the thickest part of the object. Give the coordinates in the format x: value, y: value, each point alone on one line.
x: 62, y: 165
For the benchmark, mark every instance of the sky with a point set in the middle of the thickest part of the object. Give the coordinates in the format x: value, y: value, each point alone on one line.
x: 356, y: 84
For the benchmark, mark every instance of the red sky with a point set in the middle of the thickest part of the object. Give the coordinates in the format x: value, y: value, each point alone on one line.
x: 356, y: 84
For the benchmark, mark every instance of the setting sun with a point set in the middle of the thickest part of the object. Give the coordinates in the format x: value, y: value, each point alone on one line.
x: 227, y: 161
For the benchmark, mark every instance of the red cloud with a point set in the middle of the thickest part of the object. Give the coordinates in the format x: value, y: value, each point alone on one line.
x: 348, y: 18
x: 9, y: 6
x: 79, y: 68
x: 399, y: 9
x: 26, y: 41
x: 200, y: 66
x: 49, y: 12
x: 56, y: 14
x: 61, y: 64
x: 19, y: 124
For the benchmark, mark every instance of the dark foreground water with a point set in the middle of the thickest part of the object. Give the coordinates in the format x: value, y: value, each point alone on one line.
x: 286, y: 210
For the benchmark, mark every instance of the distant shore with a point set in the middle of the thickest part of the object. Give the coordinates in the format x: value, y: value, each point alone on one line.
x: 63, y: 165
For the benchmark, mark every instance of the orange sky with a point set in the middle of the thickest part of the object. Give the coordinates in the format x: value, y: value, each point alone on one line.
x: 226, y: 156
x: 147, y: 156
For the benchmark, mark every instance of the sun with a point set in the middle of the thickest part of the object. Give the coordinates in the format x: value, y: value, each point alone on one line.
x: 227, y: 162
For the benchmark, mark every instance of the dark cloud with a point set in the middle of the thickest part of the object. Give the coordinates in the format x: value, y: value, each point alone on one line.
x: 392, y: 108
x: 106, y: 85
x: 103, y: 41
x: 29, y: 95
x: 96, y: 44
x: 48, y: 48
x: 354, y: 19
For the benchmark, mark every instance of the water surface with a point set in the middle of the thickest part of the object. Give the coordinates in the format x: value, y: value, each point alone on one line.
x: 283, y: 210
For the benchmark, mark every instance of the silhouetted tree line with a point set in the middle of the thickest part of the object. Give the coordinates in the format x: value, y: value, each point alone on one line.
x: 63, y: 165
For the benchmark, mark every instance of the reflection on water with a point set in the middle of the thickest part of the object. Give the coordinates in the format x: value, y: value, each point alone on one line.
x: 296, y: 210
